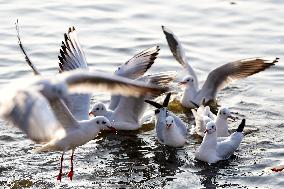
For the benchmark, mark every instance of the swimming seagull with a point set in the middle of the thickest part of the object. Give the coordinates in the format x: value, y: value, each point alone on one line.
x: 217, y: 78
x: 203, y: 115
x: 211, y: 150
x: 176, y: 128
x: 129, y: 111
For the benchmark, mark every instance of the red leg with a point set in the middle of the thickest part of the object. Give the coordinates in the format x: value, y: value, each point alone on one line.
x: 71, y: 173
x: 60, y: 171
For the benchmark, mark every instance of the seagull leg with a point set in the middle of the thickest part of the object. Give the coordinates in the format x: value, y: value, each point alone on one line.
x: 70, y: 174
x: 60, y: 171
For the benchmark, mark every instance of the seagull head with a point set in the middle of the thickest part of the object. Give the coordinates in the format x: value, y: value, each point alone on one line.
x: 103, y: 123
x: 225, y: 113
x: 169, y: 122
x: 187, y: 81
x: 99, y: 109
x: 119, y: 70
x: 210, y: 127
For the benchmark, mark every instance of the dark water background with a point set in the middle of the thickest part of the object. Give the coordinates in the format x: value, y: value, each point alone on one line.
x: 213, y: 33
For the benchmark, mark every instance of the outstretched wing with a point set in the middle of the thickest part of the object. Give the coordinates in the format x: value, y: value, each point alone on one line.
x: 178, y: 52
x: 134, y: 68
x: 71, y: 53
x: 138, y: 64
x: 72, y: 57
x: 30, y: 112
x: 33, y: 67
x: 84, y: 82
x: 229, y: 72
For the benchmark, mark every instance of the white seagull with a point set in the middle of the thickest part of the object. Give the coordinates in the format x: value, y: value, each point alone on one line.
x: 165, y: 127
x: 203, y: 115
x: 212, y: 151
x: 216, y: 79
x: 129, y: 111
x: 30, y: 111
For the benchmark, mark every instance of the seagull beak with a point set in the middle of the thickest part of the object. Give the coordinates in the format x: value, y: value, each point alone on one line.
x: 168, y: 126
x: 232, y: 118
x: 112, y: 129
x: 91, y: 113
x: 181, y: 83
x: 206, y: 131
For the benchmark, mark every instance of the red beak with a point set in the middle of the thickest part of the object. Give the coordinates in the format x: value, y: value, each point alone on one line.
x: 112, y: 129
x: 182, y: 83
x: 91, y: 113
x: 233, y: 118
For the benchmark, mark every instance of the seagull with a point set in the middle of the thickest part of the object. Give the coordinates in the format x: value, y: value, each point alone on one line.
x: 172, y: 134
x: 203, y: 115
x: 161, y: 114
x: 212, y: 151
x: 128, y: 113
x: 216, y: 79
x: 29, y: 111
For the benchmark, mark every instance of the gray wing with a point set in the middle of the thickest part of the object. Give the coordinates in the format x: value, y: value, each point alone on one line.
x: 33, y: 67
x: 71, y: 53
x: 84, y: 82
x: 229, y: 72
x: 63, y: 114
x: 138, y: 64
x: 30, y: 112
x: 178, y: 52
x: 134, y: 68
x: 162, y: 79
x: 72, y: 57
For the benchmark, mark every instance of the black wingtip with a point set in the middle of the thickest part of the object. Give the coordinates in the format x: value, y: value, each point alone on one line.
x: 241, y: 126
x: 155, y: 104
x: 167, y: 100
x: 196, y: 105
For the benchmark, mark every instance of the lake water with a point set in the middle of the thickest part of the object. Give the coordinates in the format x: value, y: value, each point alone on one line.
x: 213, y: 32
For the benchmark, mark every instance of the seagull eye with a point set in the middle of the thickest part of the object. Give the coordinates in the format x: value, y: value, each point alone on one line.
x: 97, y: 108
x: 212, y: 127
x: 157, y: 111
x: 104, y: 122
x: 98, y: 122
x: 172, y: 121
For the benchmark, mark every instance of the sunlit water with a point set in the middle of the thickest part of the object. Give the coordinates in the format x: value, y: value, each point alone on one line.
x: 213, y: 33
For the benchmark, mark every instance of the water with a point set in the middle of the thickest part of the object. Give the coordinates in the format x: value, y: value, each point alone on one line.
x: 213, y: 33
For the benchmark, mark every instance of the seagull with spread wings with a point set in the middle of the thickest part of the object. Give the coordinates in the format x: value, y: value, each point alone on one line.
x: 216, y: 79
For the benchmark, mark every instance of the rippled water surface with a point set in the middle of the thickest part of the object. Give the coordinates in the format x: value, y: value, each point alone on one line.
x: 213, y: 33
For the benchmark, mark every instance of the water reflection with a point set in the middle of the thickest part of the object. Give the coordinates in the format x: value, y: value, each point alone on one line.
x: 209, y: 174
